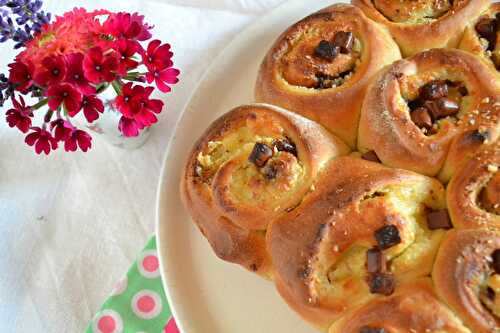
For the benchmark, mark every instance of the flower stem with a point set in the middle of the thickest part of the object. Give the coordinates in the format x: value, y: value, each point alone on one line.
x: 38, y: 105
x: 117, y: 87
x: 102, y: 87
x: 48, y: 116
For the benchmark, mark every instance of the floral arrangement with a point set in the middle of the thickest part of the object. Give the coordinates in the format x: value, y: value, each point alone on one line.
x: 66, y: 64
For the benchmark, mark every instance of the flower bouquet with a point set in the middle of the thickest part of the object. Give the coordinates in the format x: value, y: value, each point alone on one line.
x: 67, y: 64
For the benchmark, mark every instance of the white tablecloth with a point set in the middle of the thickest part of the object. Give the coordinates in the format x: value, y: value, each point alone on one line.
x: 71, y: 224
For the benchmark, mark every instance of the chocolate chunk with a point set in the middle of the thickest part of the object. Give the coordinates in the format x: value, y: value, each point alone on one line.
x: 438, y: 219
x: 325, y: 81
x: 326, y: 50
x: 344, y: 40
x: 422, y: 118
x: 434, y: 90
x: 371, y: 156
x: 496, y: 261
x: 480, y: 136
x: 387, y: 236
x: 442, y: 108
x: 486, y: 28
x: 285, y: 145
x: 490, y: 293
x: 375, y: 261
x: 382, y: 283
x: 370, y: 329
x: 260, y: 154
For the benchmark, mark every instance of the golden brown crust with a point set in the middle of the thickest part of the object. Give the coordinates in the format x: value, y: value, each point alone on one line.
x: 417, y: 25
x: 231, y: 199
x: 413, y: 308
x: 288, y: 70
x: 319, y: 249
x: 478, y: 177
x: 474, y: 43
x: 460, y: 273
x: 386, y: 125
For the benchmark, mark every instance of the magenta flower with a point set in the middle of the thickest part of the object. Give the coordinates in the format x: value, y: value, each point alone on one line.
x: 92, y: 106
x: 99, y: 68
x: 78, y: 138
x: 126, y: 49
x: 75, y: 75
x: 64, y: 94
x: 20, y: 115
x: 54, y: 71
x: 129, y: 127
x: 158, y: 61
x: 42, y: 140
x: 62, y: 129
x: 125, y: 25
x: 21, y: 75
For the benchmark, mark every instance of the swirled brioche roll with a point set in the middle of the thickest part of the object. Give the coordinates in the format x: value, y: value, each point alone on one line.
x: 365, y: 230
x: 320, y: 67
x: 473, y: 194
x: 481, y: 36
x: 247, y: 169
x: 417, y: 25
x: 414, y: 307
x: 417, y: 106
x: 467, y: 277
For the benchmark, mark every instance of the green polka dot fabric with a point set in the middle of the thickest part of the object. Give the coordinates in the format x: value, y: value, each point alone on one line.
x: 138, y: 303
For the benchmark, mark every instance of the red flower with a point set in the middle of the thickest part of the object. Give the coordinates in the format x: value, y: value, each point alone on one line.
x: 21, y: 75
x: 99, y: 68
x: 62, y: 129
x: 163, y: 78
x: 54, y: 71
x: 137, y: 108
x: 78, y: 138
x: 67, y: 94
x: 20, y: 115
x: 92, y: 106
x: 129, y: 127
x: 126, y: 49
x: 156, y: 56
x: 42, y: 139
x: 75, y: 75
x: 124, y: 25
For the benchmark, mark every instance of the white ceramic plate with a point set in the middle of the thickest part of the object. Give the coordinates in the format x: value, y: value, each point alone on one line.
x: 208, y: 295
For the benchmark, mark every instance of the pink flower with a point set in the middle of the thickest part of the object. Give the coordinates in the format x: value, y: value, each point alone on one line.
x: 126, y: 49
x: 124, y: 25
x: 78, y: 138
x: 42, y: 139
x: 54, y: 71
x: 75, y: 75
x: 92, y: 106
x: 157, y: 56
x: 99, y: 68
x: 137, y: 108
x: 64, y: 94
x: 20, y: 115
x: 62, y: 129
x: 21, y: 75
x: 129, y: 127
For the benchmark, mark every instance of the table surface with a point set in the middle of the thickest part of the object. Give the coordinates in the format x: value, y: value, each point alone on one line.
x: 71, y: 224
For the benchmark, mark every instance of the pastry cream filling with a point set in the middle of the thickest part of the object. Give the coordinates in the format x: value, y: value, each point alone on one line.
x: 412, y: 11
x: 344, y: 276
x: 248, y: 183
x: 301, y: 68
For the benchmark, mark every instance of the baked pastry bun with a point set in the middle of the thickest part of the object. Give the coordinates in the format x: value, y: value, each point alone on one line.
x: 365, y: 230
x: 467, y: 277
x: 416, y: 107
x: 320, y: 67
x: 418, y: 25
x: 249, y: 167
x: 481, y: 36
x: 473, y: 194
x: 414, y: 307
